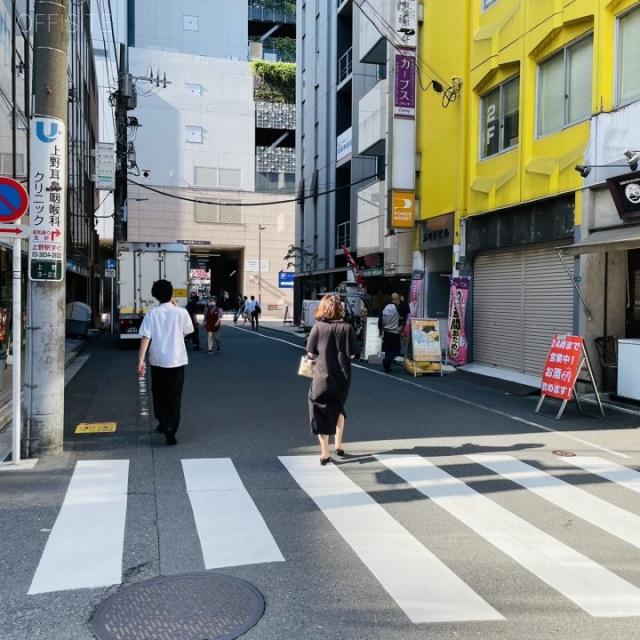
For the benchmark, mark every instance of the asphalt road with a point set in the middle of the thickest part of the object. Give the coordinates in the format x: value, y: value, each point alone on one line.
x: 454, y: 515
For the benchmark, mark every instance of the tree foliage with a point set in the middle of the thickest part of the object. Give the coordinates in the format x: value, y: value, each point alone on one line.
x: 274, y: 81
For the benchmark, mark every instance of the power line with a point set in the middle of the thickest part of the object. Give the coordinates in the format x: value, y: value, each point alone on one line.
x: 254, y: 204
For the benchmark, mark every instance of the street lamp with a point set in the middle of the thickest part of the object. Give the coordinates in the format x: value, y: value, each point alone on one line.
x: 125, y: 207
x: 261, y: 228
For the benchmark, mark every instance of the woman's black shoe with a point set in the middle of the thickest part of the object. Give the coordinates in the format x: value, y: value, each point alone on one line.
x: 325, y: 461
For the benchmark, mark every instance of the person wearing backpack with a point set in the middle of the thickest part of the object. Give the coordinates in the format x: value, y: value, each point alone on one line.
x: 212, y: 325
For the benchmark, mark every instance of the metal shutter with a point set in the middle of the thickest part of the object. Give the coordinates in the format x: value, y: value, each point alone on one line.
x: 548, y: 305
x: 497, y: 310
x: 520, y: 299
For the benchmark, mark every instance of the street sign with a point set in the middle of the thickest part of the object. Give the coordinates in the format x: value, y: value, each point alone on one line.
x: 13, y: 200
x: 285, y: 279
x: 109, y: 273
x: 109, y: 263
x: 48, y: 194
x: 13, y: 231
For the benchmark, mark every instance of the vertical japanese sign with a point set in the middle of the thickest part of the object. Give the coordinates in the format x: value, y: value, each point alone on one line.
x: 562, y: 367
x: 457, y: 337
x: 48, y: 202
x: 404, y: 105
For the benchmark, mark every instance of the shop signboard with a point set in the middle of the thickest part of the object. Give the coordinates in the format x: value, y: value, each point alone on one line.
x: 561, y: 369
x: 372, y: 339
x: 456, y: 335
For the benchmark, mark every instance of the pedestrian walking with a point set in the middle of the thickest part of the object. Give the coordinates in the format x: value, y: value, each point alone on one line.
x: 240, y: 309
x: 192, y: 308
x: 252, y: 308
x: 212, y: 325
x: 389, y: 326
x: 333, y: 344
x: 162, y: 334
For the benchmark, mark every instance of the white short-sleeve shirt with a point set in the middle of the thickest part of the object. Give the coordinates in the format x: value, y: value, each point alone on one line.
x: 166, y: 326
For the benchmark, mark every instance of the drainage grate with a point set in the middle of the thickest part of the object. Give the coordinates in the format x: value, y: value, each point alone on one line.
x: 186, y: 607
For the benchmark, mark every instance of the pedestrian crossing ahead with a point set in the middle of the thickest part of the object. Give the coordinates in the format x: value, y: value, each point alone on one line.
x: 85, y: 546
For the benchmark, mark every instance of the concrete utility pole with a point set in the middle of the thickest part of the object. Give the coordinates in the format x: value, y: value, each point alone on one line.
x: 44, y: 379
x: 123, y: 104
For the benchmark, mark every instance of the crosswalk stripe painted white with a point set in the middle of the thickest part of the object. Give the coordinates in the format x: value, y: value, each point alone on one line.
x: 417, y: 580
x: 84, y: 549
x: 611, y: 471
x: 598, y: 512
x: 230, y: 527
x: 586, y: 583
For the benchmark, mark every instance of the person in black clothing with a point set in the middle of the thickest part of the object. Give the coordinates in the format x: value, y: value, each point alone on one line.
x: 192, y: 309
x: 403, y: 311
x: 333, y: 343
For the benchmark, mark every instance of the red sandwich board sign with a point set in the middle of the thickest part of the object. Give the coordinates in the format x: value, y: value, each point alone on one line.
x: 14, y: 200
x: 566, y: 359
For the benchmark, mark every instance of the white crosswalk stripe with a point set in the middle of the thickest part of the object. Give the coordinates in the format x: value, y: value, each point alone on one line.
x: 420, y: 583
x: 232, y: 532
x: 85, y: 546
x: 592, y: 587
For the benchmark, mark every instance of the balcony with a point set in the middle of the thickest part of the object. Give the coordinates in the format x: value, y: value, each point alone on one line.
x: 280, y: 15
x: 275, y: 115
x: 371, y: 218
x: 372, y: 120
x: 345, y: 66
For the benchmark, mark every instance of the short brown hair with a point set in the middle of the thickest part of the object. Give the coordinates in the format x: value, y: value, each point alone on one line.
x: 330, y: 308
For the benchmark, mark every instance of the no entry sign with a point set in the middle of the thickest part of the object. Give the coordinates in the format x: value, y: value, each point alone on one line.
x: 13, y: 200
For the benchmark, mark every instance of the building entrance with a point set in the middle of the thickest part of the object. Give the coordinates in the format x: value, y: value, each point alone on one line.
x: 632, y: 329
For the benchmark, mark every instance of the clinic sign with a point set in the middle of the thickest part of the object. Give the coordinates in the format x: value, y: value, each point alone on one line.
x: 48, y: 201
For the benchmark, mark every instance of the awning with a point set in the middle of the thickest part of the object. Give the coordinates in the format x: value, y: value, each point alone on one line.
x: 619, y: 239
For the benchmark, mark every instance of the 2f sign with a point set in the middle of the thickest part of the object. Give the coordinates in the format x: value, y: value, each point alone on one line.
x: 491, y: 127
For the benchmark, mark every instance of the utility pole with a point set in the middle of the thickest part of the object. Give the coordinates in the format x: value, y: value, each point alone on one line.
x: 123, y: 101
x: 44, y: 380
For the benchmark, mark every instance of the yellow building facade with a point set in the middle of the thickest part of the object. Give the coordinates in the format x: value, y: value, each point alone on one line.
x: 529, y: 90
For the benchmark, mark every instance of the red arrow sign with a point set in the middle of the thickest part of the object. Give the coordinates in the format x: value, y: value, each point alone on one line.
x: 13, y: 231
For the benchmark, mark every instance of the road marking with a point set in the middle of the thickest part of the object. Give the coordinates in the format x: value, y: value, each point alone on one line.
x: 230, y: 527
x: 589, y: 585
x: 84, y: 549
x: 598, y: 512
x: 611, y: 471
x: 417, y: 580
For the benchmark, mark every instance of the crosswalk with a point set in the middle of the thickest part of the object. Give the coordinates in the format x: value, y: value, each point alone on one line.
x: 85, y: 546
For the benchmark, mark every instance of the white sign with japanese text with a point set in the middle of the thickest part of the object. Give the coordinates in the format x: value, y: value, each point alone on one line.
x: 47, y: 195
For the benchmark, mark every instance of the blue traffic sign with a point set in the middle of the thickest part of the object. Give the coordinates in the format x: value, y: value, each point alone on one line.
x: 109, y: 263
x: 13, y: 200
x: 285, y: 279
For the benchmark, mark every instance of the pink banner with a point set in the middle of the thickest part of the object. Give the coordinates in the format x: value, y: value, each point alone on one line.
x: 456, y: 335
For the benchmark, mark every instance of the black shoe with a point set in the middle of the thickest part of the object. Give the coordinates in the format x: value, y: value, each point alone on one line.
x: 209, y: 352
x: 218, y: 349
x: 387, y: 369
x: 340, y: 452
x: 171, y: 439
x: 325, y: 461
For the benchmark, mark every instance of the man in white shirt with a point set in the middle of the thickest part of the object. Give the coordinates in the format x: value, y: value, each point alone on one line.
x: 390, y: 326
x: 162, y: 333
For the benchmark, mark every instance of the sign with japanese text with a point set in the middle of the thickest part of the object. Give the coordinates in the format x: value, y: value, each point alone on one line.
x: 457, y: 336
x: 437, y: 232
x: 562, y: 367
x: 406, y: 21
x: 404, y: 105
x: 286, y: 279
x: 425, y: 339
x: 47, y: 192
x: 105, y: 166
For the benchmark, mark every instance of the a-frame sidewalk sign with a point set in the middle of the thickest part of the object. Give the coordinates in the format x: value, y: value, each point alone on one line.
x: 566, y: 361
x: 425, y: 346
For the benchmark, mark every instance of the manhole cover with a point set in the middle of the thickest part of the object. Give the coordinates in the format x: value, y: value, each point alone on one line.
x: 564, y: 454
x: 185, y: 607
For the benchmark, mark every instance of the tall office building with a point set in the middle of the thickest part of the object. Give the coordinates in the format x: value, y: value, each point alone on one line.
x: 211, y: 159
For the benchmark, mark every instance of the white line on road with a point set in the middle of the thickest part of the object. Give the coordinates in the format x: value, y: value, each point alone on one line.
x: 84, y: 549
x: 586, y: 583
x: 417, y: 580
x: 598, y: 512
x: 611, y: 471
x: 230, y: 527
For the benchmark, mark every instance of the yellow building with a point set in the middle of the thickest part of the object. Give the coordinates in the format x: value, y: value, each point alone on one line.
x: 530, y: 89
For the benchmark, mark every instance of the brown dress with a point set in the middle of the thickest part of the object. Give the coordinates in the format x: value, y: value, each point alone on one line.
x: 334, y: 343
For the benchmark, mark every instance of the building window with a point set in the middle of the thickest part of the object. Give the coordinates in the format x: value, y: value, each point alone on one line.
x: 194, y: 134
x: 500, y: 118
x: 564, y: 87
x: 628, y: 58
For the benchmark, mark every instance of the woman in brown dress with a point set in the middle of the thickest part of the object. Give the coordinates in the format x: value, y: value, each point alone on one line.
x: 333, y: 343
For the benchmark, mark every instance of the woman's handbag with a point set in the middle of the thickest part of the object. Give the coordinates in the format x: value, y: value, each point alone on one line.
x: 307, y: 367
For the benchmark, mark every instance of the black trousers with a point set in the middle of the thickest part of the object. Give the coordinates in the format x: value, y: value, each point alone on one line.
x: 166, y: 389
x: 391, y: 346
x: 255, y: 323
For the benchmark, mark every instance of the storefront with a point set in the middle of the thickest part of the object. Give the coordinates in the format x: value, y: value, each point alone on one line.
x: 521, y: 291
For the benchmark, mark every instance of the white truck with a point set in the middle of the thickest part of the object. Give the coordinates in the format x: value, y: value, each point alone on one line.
x: 140, y: 264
